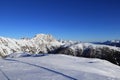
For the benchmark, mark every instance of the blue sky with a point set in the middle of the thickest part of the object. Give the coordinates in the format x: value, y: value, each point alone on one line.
x: 85, y: 20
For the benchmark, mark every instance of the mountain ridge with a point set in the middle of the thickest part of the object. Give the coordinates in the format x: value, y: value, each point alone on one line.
x: 43, y: 43
x: 37, y: 44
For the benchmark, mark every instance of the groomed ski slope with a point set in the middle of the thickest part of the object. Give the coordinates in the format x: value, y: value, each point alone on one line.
x: 57, y: 67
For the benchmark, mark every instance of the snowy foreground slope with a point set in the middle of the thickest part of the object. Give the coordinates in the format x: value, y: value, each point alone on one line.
x: 57, y: 67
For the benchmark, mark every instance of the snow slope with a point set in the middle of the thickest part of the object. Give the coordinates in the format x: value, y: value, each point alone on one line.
x: 57, y: 67
x: 81, y: 45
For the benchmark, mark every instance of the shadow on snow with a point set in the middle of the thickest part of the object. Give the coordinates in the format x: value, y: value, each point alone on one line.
x: 43, y: 68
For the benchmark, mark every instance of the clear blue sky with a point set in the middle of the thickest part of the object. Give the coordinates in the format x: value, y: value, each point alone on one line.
x: 85, y: 20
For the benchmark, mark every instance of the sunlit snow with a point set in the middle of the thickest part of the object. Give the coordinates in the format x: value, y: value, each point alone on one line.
x: 56, y: 67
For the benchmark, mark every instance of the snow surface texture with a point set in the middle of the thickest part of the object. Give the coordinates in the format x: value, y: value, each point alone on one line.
x: 56, y: 67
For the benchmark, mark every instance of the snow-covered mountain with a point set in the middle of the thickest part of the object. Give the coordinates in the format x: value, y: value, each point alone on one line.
x: 41, y: 43
x: 110, y: 42
x: 110, y: 53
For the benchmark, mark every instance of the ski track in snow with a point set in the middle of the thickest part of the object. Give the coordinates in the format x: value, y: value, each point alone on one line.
x: 57, y: 67
x: 4, y: 74
x: 38, y: 66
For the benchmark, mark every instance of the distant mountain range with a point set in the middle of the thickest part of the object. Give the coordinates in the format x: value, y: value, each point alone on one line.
x: 43, y: 43
x: 110, y: 42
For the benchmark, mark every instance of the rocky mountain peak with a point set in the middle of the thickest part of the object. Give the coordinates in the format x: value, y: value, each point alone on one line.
x: 41, y: 43
x: 45, y: 37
